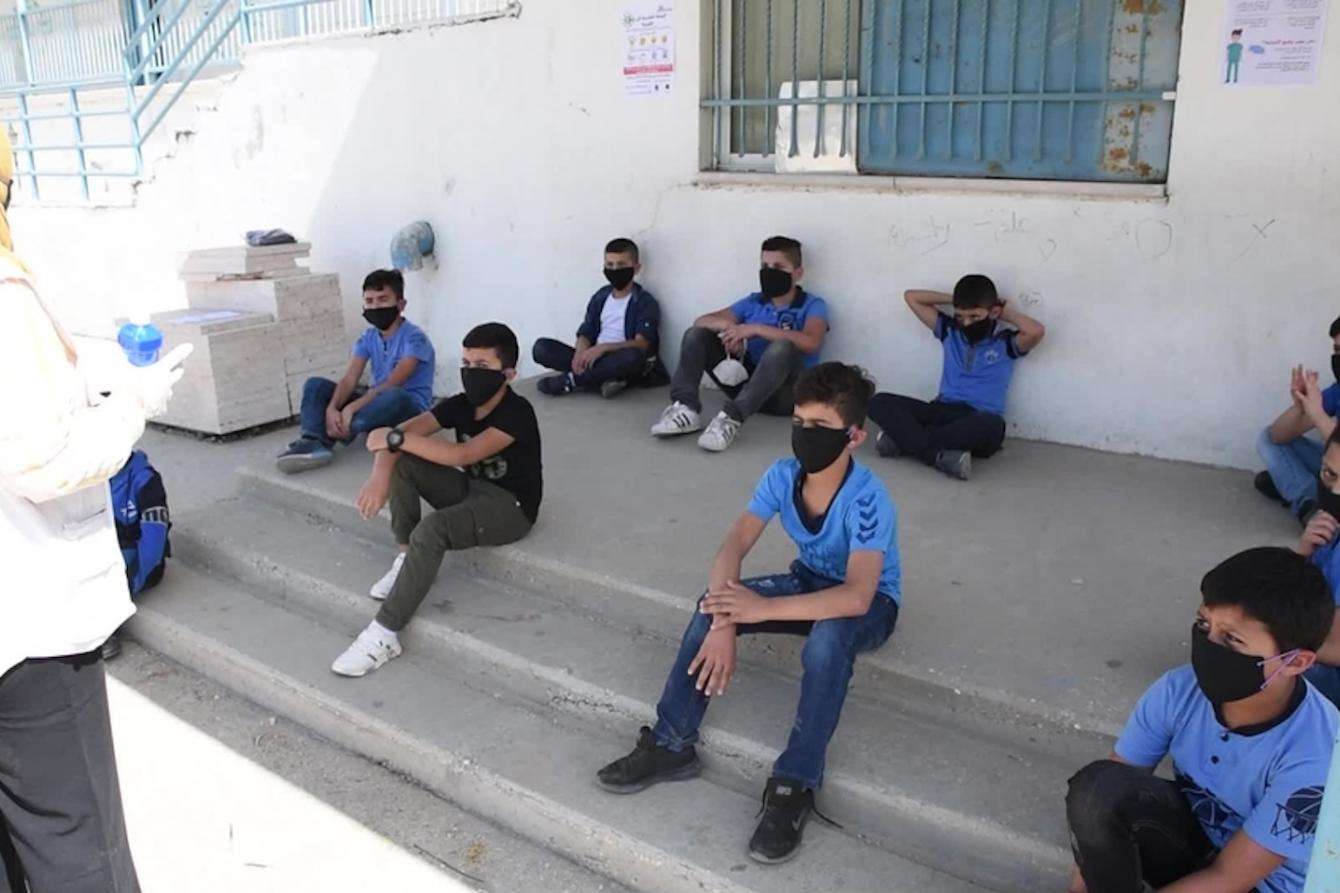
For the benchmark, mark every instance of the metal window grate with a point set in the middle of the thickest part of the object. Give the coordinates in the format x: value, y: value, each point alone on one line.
x: 1035, y: 89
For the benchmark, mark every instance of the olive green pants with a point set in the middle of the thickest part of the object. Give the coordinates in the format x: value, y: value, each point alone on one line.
x: 467, y: 512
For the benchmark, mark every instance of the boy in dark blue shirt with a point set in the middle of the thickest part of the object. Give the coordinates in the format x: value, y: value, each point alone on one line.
x: 1250, y: 742
x: 1321, y: 545
x: 842, y: 593
x: 618, y: 339
x: 1291, y: 456
x: 402, y: 360
x: 777, y: 331
x: 968, y: 417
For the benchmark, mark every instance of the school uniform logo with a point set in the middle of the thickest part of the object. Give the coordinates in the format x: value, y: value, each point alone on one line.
x: 1296, y: 818
x: 786, y: 321
x: 867, y: 519
x: 991, y: 355
x: 1214, y: 816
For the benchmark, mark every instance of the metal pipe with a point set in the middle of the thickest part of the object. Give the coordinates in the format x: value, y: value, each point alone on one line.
x: 186, y: 82
x: 819, y: 80
x: 183, y: 53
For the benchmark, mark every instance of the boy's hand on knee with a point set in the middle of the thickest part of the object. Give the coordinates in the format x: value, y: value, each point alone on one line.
x: 347, y: 419
x: 372, y: 496
x: 715, y: 662
x: 735, y: 603
x: 334, y: 422
x: 377, y: 439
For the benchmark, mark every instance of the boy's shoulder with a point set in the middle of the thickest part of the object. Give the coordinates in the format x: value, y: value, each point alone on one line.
x: 865, y: 485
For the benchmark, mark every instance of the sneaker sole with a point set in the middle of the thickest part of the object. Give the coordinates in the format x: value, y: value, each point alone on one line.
x: 295, y: 464
x: 676, y: 433
x: 683, y: 773
x: 713, y: 448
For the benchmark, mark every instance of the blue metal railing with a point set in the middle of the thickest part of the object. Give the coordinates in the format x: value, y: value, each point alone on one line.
x: 59, y: 56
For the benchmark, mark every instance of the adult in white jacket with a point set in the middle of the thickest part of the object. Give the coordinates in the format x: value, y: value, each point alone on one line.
x: 62, y: 591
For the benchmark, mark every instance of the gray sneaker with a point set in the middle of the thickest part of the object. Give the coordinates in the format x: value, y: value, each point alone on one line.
x: 955, y: 463
x: 612, y: 388
x: 887, y: 447
x: 720, y: 434
x: 303, y: 455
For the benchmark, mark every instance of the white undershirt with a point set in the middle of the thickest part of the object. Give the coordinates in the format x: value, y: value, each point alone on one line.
x: 612, y: 319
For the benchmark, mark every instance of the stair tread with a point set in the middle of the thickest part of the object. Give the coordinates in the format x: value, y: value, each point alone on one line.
x: 684, y: 836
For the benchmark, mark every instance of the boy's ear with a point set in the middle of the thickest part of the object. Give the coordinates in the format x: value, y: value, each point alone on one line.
x: 857, y: 435
x: 798, y: 274
x: 509, y: 374
x: 1301, y: 663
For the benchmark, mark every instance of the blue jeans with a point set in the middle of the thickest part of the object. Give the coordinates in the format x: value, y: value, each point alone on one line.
x: 829, y: 655
x: 1293, y: 466
x: 387, y: 409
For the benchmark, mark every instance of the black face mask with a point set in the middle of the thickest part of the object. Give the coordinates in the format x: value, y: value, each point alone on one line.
x: 1335, y: 357
x: 1327, y: 501
x: 619, y: 277
x: 481, y: 384
x: 817, y: 448
x: 1223, y: 674
x: 774, y: 283
x: 976, y: 331
x: 382, y: 317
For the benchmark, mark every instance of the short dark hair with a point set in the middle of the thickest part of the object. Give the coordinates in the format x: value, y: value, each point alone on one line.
x: 622, y: 246
x: 975, y: 291
x: 786, y: 245
x: 378, y: 280
x: 1283, y: 590
x: 845, y: 388
x: 497, y: 337
x: 1237, y: 31
x: 1335, y: 327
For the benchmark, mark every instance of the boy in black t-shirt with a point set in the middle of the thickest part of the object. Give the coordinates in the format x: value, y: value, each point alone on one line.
x: 492, y: 502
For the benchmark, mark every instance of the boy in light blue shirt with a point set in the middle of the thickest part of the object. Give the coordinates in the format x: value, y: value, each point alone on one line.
x: 772, y: 335
x: 842, y: 593
x: 967, y: 418
x: 1249, y: 738
x: 402, y: 359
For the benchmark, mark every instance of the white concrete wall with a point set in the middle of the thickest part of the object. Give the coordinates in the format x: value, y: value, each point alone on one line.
x: 1172, y: 324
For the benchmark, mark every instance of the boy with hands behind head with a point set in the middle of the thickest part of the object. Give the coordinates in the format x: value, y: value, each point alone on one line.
x: 841, y: 593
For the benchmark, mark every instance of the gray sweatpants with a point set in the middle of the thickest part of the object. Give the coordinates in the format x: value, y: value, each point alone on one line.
x: 468, y: 512
x: 62, y: 829
x: 768, y: 389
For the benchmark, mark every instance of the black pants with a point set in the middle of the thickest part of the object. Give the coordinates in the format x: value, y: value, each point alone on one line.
x: 628, y: 364
x: 61, y: 825
x: 769, y: 388
x: 1129, y: 828
x: 924, y: 429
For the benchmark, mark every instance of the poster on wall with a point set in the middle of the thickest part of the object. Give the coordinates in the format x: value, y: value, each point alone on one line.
x: 648, y: 47
x: 1272, y: 43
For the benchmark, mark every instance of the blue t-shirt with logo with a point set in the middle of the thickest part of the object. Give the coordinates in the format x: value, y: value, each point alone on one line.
x: 758, y: 309
x: 1267, y: 782
x: 1330, y: 399
x: 383, y: 354
x: 860, y: 518
x: 977, y: 374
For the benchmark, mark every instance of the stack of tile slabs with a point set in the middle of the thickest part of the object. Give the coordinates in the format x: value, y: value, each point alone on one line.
x: 234, y: 379
x: 306, y: 307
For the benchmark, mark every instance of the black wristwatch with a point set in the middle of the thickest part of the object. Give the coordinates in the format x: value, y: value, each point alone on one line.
x: 395, y: 439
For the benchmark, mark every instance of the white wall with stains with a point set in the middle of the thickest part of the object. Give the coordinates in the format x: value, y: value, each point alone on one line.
x: 1172, y: 322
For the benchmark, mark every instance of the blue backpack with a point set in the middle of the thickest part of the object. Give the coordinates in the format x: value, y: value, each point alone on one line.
x: 139, y: 504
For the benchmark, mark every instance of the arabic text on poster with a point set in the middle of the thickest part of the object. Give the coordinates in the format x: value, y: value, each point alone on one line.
x: 649, y: 47
x: 1272, y: 42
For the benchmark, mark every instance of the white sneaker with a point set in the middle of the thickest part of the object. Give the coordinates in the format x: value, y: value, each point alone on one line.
x: 373, y: 647
x: 382, y: 588
x: 677, y: 419
x: 720, y: 434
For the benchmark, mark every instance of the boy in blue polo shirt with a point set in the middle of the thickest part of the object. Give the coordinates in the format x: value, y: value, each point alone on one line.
x: 618, y: 339
x: 968, y: 417
x: 1292, y: 458
x: 1250, y: 742
x: 777, y: 331
x: 842, y: 593
x: 401, y: 382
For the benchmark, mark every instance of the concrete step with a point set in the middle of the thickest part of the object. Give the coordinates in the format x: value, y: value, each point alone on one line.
x: 327, y: 495
x: 945, y: 787
x: 454, y: 727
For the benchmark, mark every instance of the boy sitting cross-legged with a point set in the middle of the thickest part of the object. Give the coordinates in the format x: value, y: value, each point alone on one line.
x: 842, y: 594
x: 1250, y: 741
x: 618, y: 339
x: 484, y: 489
x: 967, y: 418
x: 778, y: 331
x: 402, y: 361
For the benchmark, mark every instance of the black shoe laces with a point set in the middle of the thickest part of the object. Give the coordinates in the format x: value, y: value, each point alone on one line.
x: 777, y: 811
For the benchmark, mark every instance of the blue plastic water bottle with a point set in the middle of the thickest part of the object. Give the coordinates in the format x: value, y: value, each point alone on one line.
x: 141, y: 340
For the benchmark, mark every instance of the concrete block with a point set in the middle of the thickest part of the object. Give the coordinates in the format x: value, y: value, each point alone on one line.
x: 298, y: 295
x: 244, y: 259
x: 235, y: 378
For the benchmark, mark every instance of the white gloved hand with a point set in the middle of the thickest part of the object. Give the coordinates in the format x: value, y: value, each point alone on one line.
x: 151, y: 386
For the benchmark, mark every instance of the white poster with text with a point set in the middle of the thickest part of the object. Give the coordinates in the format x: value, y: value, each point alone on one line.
x: 1269, y: 43
x: 649, y: 47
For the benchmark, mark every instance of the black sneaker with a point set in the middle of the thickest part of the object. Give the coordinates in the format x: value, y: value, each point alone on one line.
x: 887, y: 447
x: 111, y: 648
x: 648, y: 764
x: 955, y: 463
x: 787, y: 805
x: 556, y: 385
x: 1265, y: 485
